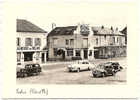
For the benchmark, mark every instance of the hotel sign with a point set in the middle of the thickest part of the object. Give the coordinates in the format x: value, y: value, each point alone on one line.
x: 28, y: 48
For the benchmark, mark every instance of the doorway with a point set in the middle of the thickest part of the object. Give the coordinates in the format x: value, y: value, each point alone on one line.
x: 28, y: 56
x: 96, y: 54
x: 42, y: 56
x: 86, y: 54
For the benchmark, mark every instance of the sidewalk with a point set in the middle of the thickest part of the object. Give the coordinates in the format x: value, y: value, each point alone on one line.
x: 96, y: 61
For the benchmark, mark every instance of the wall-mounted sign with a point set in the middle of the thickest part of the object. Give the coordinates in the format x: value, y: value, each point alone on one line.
x: 28, y: 48
x: 84, y: 29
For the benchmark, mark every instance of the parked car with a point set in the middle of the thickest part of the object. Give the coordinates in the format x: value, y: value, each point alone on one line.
x: 80, y: 65
x: 28, y: 70
x: 103, y: 70
x: 116, y: 66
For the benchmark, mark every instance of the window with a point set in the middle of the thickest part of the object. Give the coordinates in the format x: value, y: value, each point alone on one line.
x: 90, y: 53
x: 85, y: 42
x: 105, y: 37
x: 18, y: 41
x: 28, y: 42
x: 71, y: 41
x: 69, y: 52
x: 67, y: 42
x: 114, y: 40
x: 55, y: 41
x: 96, y: 41
x: 78, y: 53
x: 37, y: 42
x: 18, y: 56
x: 55, y: 51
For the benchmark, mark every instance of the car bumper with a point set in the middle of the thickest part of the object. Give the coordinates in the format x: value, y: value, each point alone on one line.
x: 71, y: 69
x: 97, y: 73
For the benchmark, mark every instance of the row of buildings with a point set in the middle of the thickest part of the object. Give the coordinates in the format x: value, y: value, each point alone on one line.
x: 64, y: 43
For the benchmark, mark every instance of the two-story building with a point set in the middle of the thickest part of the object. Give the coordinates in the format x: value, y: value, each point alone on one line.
x: 108, y: 42
x: 71, y: 41
x: 86, y: 42
x: 31, y: 42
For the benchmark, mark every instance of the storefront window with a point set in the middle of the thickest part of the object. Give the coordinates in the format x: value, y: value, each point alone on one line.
x: 18, y: 56
x: 70, y: 52
x: 78, y: 53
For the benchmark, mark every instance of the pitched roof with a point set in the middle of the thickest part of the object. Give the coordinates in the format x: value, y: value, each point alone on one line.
x: 105, y: 31
x: 69, y: 30
x: 26, y: 26
x: 124, y: 31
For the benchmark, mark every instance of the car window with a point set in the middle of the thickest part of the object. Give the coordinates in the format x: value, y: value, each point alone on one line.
x: 83, y: 62
x: 36, y: 65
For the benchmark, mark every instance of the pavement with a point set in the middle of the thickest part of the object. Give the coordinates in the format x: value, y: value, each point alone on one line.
x: 56, y: 73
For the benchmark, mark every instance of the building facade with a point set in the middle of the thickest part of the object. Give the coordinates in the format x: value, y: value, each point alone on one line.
x: 31, y: 43
x: 85, y: 42
x: 72, y: 41
x: 108, y: 42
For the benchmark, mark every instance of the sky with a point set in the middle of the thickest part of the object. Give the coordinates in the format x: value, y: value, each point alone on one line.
x: 71, y: 13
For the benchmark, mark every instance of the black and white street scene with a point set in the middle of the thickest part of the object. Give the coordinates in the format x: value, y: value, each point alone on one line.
x: 72, y: 51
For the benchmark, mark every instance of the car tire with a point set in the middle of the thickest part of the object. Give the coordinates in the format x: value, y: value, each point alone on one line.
x: 18, y: 74
x: 22, y: 75
x: 88, y: 68
x: 78, y: 70
x: 69, y: 70
x: 103, y: 75
x: 25, y: 74
x: 94, y: 75
x: 113, y: 73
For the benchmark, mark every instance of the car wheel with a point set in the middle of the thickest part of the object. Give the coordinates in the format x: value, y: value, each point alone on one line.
x: 94, y: 75
x: 78, y: 70
x: 22, y: 75
x: 25, y: 74
x: 103, y: 75
x: 88, y: 68
x: 113, y: 73
x: 69, y: 70
x: 18, y: 74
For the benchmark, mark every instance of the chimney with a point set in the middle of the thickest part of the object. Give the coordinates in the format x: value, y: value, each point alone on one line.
x: 102, y: 27
x: 53, y: 25
x: 111, y: 28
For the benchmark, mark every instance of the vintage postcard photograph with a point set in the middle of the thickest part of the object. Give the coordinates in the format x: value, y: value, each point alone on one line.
x: 59, y: 49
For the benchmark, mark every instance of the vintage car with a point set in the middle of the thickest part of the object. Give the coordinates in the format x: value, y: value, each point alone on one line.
x: 103, y: 70
x: 116, y: 66
x: 28, y: 70
x: 80, y: 65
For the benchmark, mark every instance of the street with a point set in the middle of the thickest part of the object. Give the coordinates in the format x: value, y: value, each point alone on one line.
x: 58, y: 74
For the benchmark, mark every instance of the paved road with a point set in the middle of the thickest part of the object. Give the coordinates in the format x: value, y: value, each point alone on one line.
x: 58, y: 74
